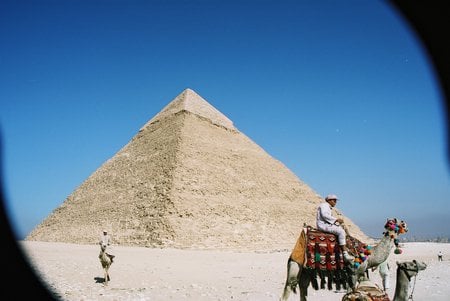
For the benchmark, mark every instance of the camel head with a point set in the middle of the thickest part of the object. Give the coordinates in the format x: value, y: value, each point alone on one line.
x: 411, y: 268
x: 395, y: 227
x: 103, y: 246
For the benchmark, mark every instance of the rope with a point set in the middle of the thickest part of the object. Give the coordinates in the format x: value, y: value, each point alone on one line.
x: 412, y: 291
x: 415, y: 277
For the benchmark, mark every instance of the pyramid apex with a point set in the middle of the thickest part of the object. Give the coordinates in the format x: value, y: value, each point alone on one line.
x: 185, y: 183
x: 188, y: 100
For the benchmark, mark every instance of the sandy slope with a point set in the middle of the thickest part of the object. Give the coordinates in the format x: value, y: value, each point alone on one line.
x: 74, y: 273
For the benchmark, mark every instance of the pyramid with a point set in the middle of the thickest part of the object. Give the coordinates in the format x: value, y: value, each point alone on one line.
x: 188, y: 179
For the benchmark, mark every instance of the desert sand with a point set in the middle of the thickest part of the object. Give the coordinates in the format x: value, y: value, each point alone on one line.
x: 73, y: 272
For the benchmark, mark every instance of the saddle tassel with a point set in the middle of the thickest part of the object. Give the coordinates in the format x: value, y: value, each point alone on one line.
x: 314, y: 282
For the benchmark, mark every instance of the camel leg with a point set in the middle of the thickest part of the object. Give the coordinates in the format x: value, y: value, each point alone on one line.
x: 303, y: 282
x: 106, y: 277
x: 293, y: 270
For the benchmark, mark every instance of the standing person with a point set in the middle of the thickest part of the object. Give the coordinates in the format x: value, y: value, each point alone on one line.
x: 326, y: 222
x: 385, y: 271
x: 440, y: 256
x: 106, y: 240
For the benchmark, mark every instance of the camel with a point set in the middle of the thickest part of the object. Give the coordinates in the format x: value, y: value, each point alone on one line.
x: 405, y: 271
x: 106, y: 260
x: 368, y: 291
x: 297, y: 275
x: 383, y: 249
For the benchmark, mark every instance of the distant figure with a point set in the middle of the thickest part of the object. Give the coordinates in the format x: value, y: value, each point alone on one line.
x: 440, y: 256
x: 328, y: 223
x: 384, y: 270
x: 105, y: 239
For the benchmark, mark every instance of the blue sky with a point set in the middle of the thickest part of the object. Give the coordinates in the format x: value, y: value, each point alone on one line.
x: 344, y: 94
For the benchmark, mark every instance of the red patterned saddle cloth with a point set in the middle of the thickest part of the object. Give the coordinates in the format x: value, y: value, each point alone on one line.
x: 323, y: 252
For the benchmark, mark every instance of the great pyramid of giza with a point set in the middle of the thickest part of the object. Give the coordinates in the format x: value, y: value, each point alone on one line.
x: 188, y: 179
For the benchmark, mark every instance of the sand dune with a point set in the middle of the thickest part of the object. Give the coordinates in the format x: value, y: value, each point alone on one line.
x: 73, y: 272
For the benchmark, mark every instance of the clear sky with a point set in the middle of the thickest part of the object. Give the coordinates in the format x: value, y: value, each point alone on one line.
x: 343, y: 93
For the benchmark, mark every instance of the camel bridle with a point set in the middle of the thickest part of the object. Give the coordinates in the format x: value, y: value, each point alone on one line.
x: 408, y: 269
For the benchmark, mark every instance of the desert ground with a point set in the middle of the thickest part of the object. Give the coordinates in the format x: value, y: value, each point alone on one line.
x: 73, y: 272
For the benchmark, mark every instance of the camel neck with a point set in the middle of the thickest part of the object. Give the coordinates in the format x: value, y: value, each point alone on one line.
x: 380, y: 252
x: 402, y: 286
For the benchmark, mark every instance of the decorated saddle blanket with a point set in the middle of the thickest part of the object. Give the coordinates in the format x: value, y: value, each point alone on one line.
x: 321, y: 256
x: 322, y: 251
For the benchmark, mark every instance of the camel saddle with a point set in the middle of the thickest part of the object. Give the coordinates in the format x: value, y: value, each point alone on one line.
x: 367, y: 290
x: 319, y: 253
x: 320, y: 250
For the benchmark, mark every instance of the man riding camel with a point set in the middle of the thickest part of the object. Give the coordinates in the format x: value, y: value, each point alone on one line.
x: 326, y: 222
x: 105, y: 239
